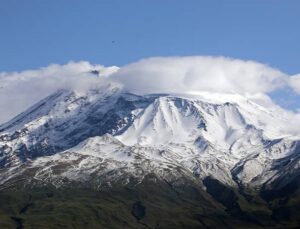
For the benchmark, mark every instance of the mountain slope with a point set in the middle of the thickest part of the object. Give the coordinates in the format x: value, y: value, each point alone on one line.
x: 202, y: 137
x: 226, y: 147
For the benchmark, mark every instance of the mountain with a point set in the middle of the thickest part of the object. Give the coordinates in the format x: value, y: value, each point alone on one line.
x: 215, y: 160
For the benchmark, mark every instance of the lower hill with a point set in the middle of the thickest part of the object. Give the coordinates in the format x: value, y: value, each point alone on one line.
x: 152, y: 203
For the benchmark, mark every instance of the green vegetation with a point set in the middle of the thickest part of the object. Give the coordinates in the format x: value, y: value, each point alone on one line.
x: 150, y: 204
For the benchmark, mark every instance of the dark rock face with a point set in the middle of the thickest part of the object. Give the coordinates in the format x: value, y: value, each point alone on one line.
x: 222, y: 194
x: 138, y: 210
x: 18, y: 222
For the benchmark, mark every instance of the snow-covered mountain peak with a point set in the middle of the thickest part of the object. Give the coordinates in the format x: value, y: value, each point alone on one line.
x: 109, y: 129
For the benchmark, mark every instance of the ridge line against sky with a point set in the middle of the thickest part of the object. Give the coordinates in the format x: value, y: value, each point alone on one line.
x: 257, y: 81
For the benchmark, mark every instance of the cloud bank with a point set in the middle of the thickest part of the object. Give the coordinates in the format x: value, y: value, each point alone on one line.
x: 213, y: 74
x: 187, y: 74
x: 20, y: 90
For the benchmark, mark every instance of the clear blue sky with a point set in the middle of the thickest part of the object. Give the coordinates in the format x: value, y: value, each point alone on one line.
x: 35, y: 33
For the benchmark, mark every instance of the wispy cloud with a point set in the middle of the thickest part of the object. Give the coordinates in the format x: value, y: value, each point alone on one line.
x: 198, y: 73
x: 294, y: 83
x: 20, y: 90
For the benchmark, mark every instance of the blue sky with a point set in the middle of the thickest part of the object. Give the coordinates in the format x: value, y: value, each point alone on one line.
x: 35, y: 33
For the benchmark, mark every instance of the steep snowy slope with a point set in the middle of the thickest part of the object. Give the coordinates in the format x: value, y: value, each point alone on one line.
x: 107, y: 134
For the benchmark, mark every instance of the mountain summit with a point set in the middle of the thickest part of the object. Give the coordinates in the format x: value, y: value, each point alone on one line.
x: 225, y: 147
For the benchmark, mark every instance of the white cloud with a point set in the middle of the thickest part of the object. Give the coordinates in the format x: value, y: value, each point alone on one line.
x: 20, y: 90
x: 213, y: 74
x: 294, y: 82
x: 198, y: 73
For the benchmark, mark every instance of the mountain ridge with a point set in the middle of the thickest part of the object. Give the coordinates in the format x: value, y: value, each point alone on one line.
x: 193, y: 130
x: 219, y: 158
